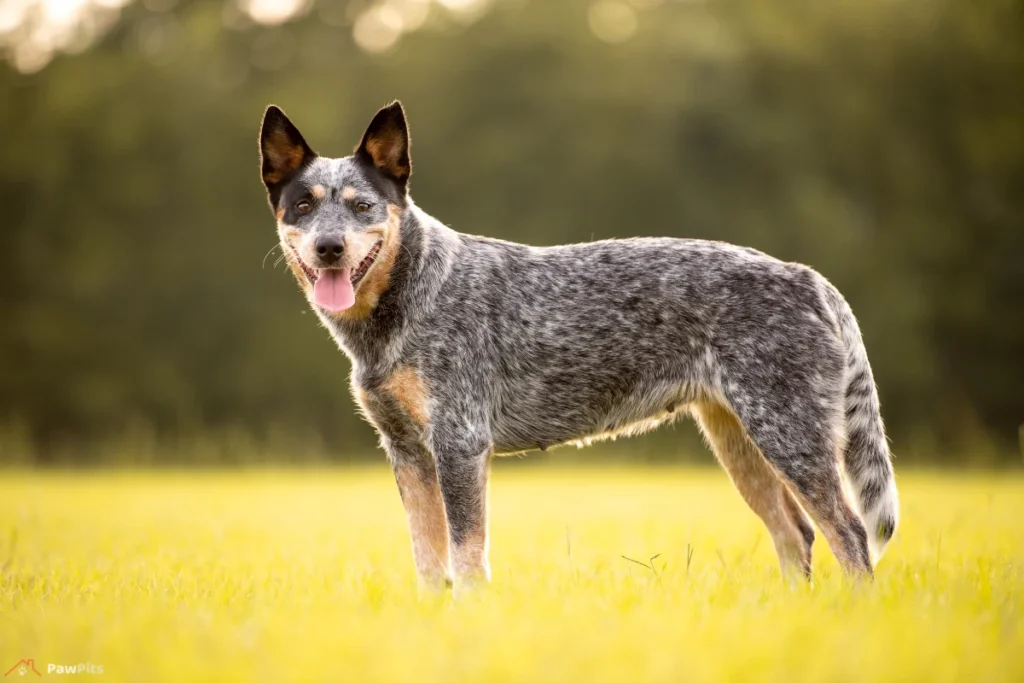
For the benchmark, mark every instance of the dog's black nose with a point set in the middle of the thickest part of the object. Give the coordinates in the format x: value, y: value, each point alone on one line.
x: 329, y: 249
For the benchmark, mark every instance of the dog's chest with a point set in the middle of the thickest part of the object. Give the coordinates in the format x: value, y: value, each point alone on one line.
x: 397, y: 404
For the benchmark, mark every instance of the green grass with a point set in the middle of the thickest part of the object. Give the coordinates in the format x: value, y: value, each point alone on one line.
x: 307, y: 576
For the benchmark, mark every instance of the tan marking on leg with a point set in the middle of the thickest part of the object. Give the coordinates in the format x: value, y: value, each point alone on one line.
x: 803, y: 524
x: 318, y: 191
x: 348, y: 193
x: 377, y: 279
x: 424, y: 509
x: 406, y: 386
x: 470, y: 564
x: 756, y: 481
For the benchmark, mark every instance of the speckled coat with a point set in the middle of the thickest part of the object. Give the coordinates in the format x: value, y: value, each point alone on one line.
x: 463, y: 347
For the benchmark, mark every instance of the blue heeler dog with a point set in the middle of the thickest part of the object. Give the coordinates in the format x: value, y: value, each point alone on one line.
x: 464, y: 347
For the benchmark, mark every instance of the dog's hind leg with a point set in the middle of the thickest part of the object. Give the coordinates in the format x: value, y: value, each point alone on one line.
x: 418, y: 486
x: 795, y: 417
x: 820, y: 492
x: 760, y: 487
x: 802, y: 521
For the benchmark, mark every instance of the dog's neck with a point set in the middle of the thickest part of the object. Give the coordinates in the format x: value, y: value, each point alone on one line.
x: 427, y: 249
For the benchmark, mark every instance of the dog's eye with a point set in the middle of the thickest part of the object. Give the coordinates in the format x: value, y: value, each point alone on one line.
x: 362, y: 206
x: 303, y: 206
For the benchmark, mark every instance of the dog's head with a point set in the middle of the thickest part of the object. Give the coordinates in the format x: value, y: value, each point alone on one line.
x: 338, y: 219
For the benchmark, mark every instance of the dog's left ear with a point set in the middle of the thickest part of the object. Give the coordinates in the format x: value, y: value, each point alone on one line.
x: 282, y: 151
x: 386, y: 143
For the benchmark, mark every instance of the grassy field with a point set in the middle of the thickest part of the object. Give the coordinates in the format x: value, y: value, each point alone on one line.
x: 307, y: 576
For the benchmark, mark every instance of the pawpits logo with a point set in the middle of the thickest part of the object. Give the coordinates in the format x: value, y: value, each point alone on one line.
x: 23, y: 668
x: 28, y: 666
x: 72, y: 669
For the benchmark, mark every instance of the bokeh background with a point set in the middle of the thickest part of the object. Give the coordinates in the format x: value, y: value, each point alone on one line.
x: 144, y: 316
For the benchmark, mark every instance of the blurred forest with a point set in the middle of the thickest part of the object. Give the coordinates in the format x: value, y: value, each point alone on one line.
x: 880, y: 141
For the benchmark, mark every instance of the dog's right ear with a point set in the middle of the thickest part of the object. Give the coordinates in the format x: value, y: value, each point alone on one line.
x: 385, y: 144
x: 282, y: 151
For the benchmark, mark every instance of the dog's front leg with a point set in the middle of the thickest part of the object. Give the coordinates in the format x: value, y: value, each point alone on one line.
x: 463, y: 465
x: 418, y: 486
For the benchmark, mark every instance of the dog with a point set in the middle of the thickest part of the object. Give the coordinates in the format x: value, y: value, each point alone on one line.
x: 464, y: 347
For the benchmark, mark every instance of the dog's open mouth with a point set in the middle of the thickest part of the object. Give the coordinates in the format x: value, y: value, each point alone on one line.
x: 334, y: 288
x: 310, y: 273
x: 365, y: 264
x: 313, y: 274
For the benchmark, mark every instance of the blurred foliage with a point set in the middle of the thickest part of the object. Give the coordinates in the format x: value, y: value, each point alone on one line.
x: 880, y: 142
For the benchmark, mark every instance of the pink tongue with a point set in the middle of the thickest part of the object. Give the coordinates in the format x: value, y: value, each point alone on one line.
x: 333, y: 290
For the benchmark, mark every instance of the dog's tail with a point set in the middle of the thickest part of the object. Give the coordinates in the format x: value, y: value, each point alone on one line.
x: 866, y: 455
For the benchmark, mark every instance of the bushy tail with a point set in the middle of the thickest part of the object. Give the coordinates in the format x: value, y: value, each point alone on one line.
x: 866, y: 457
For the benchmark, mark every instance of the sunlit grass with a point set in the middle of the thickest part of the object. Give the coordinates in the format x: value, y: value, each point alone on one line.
x: 307, y: 576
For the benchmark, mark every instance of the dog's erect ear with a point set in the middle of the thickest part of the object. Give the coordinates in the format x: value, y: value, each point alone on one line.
x: 282, y: 150
x: 386, y: 143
